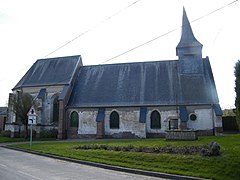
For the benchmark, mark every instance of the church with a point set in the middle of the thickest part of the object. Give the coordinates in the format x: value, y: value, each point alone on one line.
x: 127, y: 100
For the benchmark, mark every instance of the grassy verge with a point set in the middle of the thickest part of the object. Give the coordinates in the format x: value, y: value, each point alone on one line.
x: 226, y: 166
x: 8, y: 139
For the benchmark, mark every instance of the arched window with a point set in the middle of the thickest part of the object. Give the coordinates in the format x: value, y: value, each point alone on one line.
x: 155, y: 120
x: 114, y: 120
x: 74, y: 119
x: 55, y: 109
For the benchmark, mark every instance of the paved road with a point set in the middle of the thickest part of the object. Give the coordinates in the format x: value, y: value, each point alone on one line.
x: 15, y: 165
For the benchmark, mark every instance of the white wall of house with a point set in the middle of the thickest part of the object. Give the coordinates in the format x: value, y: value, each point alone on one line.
x: 204, y: 120
x: 166, y: 114
x: 87, y: 121
x: 128, y: 122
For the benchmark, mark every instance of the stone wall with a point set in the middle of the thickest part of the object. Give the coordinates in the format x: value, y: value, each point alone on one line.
x: 18, y: 130
x: 181, y: 135
x: 166, y: 114
x: 129, y: 125
x: 87, y: 122
x: 44, y: 108
x: 208, y: 132
x: 72, y: 132
x: 15, y: 129
x: 204, y: 119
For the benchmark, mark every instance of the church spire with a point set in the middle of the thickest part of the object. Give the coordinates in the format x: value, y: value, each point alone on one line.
x: 188, y: 44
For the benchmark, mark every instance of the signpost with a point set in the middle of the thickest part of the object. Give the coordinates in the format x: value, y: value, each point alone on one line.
x: 32, y: 118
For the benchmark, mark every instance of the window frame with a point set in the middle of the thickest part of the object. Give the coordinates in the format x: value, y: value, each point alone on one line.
x: 74, y: 123
x: 114, y: 120
x: 155, y: 123
x: 55, y: 109
x: 193, y: 114
x: 173, y: 124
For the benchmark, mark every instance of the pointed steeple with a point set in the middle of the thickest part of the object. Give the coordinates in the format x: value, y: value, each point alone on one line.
x: 188, y: 44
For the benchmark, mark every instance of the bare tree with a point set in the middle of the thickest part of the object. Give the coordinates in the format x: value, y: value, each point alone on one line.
x: 22, y: 103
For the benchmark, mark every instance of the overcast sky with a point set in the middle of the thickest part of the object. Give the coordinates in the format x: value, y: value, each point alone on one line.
x: 31, y: 30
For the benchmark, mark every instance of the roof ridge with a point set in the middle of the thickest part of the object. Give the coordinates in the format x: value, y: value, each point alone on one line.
x: 125, y: 63
x: 60, y: 57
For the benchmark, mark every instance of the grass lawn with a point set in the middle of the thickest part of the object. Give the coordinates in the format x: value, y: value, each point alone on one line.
x: 8, y: 139
x: 225, y: 166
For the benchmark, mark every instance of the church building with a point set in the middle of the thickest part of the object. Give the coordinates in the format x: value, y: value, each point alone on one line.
x: 127, y: 100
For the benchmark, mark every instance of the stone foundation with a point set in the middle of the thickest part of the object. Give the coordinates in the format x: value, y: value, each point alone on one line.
x: 123, y: 135
x: 72, y: 133
x: 86, y: 136
x: 15, y: 129
x: 155, y: 135
x: 218, y: 131
x: 181, y: 135
x: 205, y: 132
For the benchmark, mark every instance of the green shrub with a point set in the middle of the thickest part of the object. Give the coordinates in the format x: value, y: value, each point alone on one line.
x: 52, y: 133
x: 6, y: 133
x: 230, y: 123
x: 22, y: 133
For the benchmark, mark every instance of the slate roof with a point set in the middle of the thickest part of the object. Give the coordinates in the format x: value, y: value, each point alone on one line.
x: 51, y: 71
x: 142, y: 84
